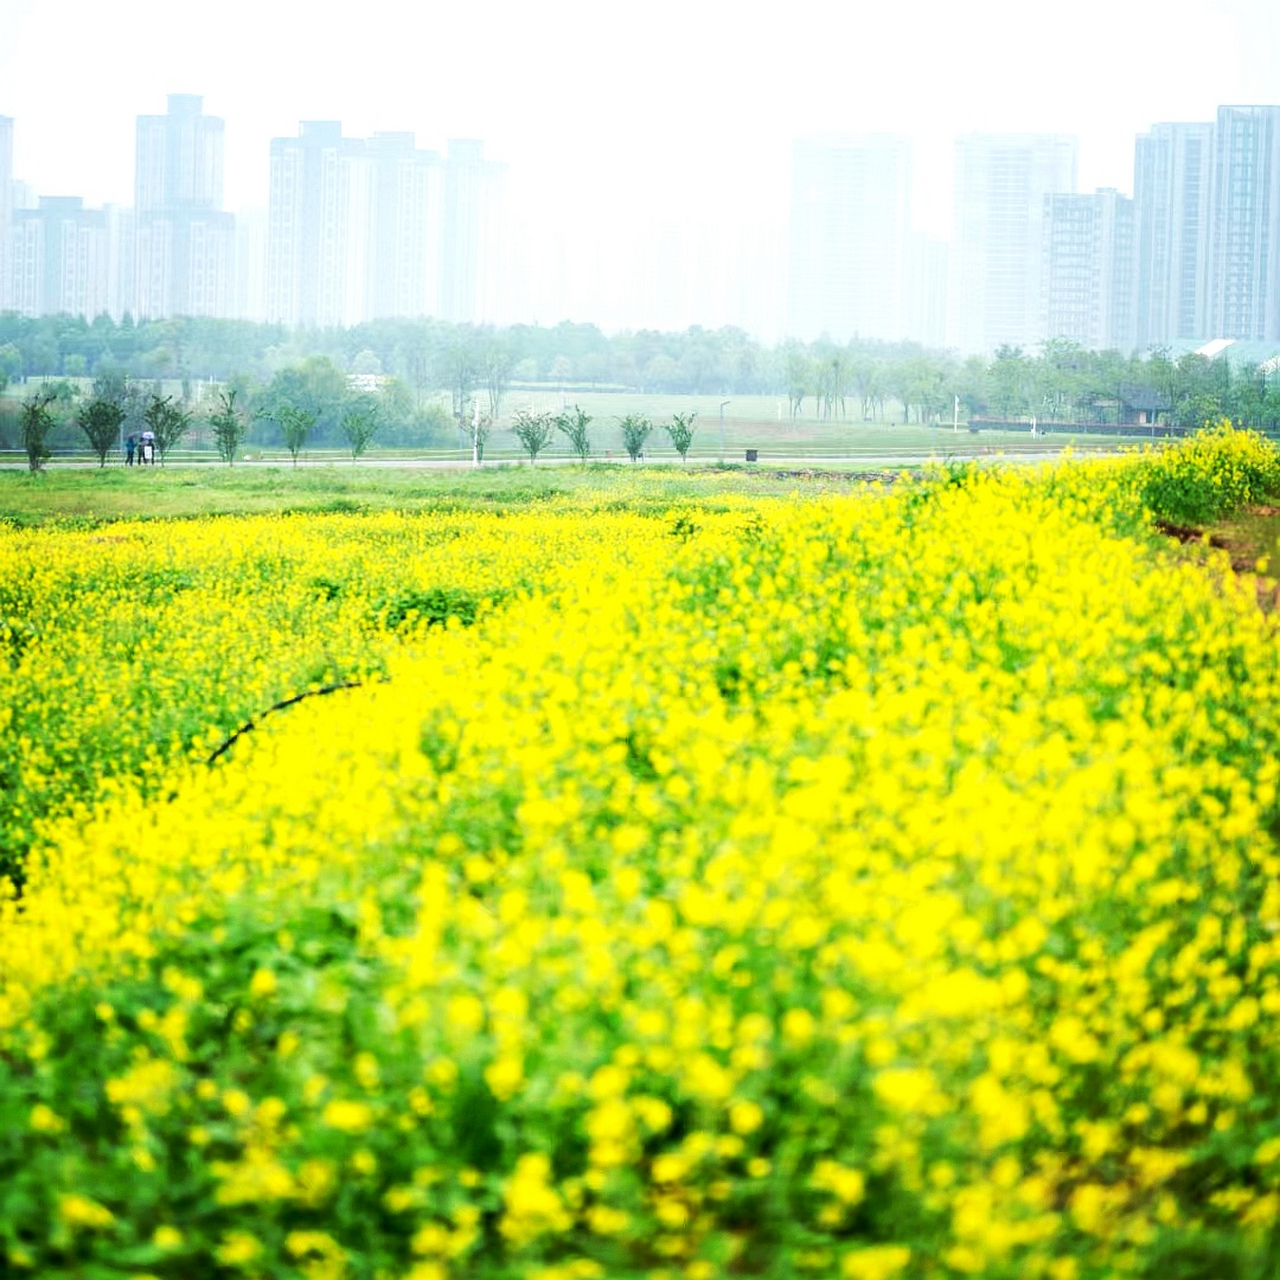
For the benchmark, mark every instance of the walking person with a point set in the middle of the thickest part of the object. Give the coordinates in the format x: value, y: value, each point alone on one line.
x: 130, y: 445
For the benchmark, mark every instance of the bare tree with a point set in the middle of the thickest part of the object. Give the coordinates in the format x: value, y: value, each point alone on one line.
x: 497, y: 374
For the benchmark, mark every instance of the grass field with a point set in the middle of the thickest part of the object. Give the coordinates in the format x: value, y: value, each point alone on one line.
x: 185, y: 491
x: 642, y: 875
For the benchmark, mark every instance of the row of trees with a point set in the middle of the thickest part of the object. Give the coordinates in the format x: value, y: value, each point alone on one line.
x: 117, y: 406
x: 535, y: 431
x: 431, y: 376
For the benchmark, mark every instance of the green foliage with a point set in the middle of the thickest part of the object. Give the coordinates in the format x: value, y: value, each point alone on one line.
x: 1208, y: 476
x: 533, y: 430
x: 359, y: 425
x: 573, y: 423
x: 681, y: 429
x: 168, y: 421
x: 35, y: 423
x: 295, y: 426
x: 228, y: 426
x: 636, y: 429
x: 100, y: 420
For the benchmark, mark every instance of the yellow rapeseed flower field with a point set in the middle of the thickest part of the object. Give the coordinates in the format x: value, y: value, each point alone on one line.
x: 878, y: 887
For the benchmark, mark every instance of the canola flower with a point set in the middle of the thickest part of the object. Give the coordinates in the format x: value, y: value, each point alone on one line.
x: 877, y: 888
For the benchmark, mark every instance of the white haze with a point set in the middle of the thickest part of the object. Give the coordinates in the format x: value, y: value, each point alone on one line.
x: 613, y: 115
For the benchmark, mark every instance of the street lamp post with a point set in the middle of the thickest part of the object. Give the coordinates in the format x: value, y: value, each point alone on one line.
x: 722, y: 405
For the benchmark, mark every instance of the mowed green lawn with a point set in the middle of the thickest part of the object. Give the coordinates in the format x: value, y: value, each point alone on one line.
x: 117, y: 493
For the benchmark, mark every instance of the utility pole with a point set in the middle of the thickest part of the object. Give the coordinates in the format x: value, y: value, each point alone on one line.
x: 955, y: 416
x: 722, y: 405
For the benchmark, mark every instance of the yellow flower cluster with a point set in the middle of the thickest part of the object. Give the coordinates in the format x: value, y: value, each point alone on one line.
x: 881, y: 887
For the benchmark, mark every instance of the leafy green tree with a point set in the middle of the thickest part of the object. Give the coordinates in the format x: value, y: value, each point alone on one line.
x: 573, y: 425
x: 534, y: 431
x: 100, y: 420
x: 35, y: 422
x: 228, y: 426
x: 167, y: 421
x: 636, y: 429
x: 10, y: 364
x: 360, y: 425
x: 295, y: 427
x: 681, y: 433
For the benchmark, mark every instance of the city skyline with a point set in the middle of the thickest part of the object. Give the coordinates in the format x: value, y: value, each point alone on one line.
x: 357, y: 229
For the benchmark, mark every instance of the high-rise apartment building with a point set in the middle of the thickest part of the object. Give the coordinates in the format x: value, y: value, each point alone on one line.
x: 318, y: 228
x: 850, y: 217
x: 122, y: 244
x: 1171, y: 192
x: 473, y: 250
x: 408, y: 203
x: 1244, y: 225
x: 6, y: 207
x: 1088, y: 274
x: 250, y: 301
x: 925, y: 295
x: 994, y: 288
x: 185, y: 243
x: 60, y: 259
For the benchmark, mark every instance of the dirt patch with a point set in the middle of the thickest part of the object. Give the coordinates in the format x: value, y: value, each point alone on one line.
x: 1251, y: 540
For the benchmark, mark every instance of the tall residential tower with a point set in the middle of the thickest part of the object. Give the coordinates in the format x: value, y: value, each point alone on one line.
x: 850, y: 220
x: 1244, y: 225
x: 1001, y: 181
x: 183, y: 262
x: 1171, y: 192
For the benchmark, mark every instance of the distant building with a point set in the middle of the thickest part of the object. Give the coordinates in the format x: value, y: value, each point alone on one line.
x: 1244, y: 226
x: 408, y: 204
x: 6, y: 207
x: 250, y: 294
x: 185, y: 242
x: 1088, y: 273
x: 925, y: 294
x: 122, y: 242
x: 318, y: 228
x: 473, y: 250
x: 994, y: 287
x: 850, y: 214
x: 60, y: 259
x: 1172, y: 191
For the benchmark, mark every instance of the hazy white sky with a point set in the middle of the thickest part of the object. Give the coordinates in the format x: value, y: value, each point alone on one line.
x: 677, y: 107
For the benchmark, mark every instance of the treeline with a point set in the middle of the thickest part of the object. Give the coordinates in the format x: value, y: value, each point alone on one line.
x: 432, y: 372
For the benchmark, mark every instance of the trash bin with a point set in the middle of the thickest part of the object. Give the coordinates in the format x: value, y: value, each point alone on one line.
x: 753, y: 455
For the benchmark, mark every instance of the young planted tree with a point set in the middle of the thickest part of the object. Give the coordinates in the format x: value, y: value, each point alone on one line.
x: 636, y: 429
x: 35, y: 422
x: 360, y: 425
x: 228, y: 426
x: 573, y: 423
x: 681, y: 433
x: 100, y: 420
x: 295, y: 426
x: 167, y: 421
x: 533, y: 430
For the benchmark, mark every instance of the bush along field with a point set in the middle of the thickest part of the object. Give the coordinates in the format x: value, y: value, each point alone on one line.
x: 878, y: 887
